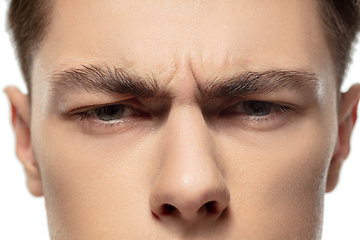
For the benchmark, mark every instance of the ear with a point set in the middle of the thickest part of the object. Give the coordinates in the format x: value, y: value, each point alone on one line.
x: 20, y: 109
x: 347, y: 119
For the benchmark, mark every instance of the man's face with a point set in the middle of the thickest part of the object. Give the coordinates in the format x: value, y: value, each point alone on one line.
x: 229, y: 135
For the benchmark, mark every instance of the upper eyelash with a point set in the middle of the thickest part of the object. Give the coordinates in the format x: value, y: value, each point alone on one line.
x: 86, y: 114
x: 281, y: 108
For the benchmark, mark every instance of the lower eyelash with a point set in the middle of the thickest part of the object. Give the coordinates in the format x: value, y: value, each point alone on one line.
x: 278, y: 109
x: 255, y: 118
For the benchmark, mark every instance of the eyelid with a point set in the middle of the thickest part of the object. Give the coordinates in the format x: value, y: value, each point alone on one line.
x: 88, y: 113
x: 234, y: 104
x: 280, y: 113
x: 277, y: 119
x: 94, y: 107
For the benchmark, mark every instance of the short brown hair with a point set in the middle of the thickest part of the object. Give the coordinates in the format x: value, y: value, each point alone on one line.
x: 341, y: 20
x: 28, y: 21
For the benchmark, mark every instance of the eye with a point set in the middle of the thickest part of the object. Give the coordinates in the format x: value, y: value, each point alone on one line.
x: 109, y: 118
x: 109, y: 113
x: 259, y: 115
x: 257, y: 108
x: 253, y: 108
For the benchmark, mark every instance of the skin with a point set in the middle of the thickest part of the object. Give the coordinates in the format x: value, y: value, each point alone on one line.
x: 266, y: 177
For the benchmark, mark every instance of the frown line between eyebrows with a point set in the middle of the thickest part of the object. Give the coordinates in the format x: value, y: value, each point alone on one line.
x: 250, y: 83
x: 98, y: 79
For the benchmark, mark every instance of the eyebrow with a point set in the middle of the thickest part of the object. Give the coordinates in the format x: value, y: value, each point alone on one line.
x: 250, y: 83
x: 106, y: 79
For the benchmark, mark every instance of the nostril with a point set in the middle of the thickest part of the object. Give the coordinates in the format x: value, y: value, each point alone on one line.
x: 168, y: 209
x: 211, y: 207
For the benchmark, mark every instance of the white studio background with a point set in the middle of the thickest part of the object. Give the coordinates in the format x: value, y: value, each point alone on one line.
x: 23, y: 216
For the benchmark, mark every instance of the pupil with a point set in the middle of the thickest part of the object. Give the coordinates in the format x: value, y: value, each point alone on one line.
x: 257, y: 108
x: 109, y: 113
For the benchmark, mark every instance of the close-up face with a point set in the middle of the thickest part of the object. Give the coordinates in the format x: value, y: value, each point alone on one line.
x: 184, y: 119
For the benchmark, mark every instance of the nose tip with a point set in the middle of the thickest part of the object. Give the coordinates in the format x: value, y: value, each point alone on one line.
x: 190, y: 203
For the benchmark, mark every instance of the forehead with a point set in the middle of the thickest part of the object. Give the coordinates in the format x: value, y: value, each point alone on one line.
x: 210, y: 38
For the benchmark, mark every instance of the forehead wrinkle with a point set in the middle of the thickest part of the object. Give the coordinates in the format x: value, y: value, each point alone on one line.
x: 252, y: 82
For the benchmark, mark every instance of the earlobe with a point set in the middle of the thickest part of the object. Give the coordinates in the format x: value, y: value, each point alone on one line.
x: 347, y: 118
x: 20, y: 109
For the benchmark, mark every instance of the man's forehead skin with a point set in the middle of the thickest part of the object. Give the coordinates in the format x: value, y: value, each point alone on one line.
x: 182, y: 40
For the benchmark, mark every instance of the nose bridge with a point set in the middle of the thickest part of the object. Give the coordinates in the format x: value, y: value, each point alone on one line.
x: 188, y: 134
x: 190, y: 183
x: 190, y: 150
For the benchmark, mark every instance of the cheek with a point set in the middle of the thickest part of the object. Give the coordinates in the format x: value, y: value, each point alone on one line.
x: 86, y: 176
x: 281, y: 177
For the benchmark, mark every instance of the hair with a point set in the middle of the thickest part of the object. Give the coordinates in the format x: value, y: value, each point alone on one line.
x: 29, y: 20
x: 341, y: 22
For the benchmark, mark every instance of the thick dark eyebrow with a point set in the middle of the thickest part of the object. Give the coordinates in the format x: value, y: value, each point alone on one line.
x: 250, y: 83
x: 104, y: 79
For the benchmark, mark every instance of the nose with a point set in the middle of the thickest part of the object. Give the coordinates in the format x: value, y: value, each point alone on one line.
x: 190, y: 186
